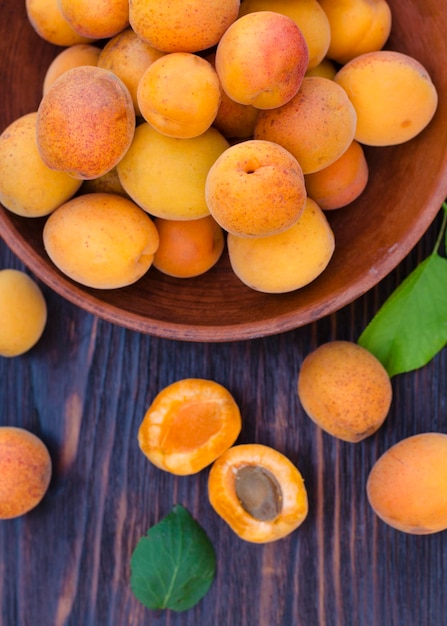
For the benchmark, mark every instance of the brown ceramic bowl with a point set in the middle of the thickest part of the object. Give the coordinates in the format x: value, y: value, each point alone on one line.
x: 407, y: 185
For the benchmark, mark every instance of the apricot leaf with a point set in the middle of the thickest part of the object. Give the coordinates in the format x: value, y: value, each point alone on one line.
x: 173, y: 565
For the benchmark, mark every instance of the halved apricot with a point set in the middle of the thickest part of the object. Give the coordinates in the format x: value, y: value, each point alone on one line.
x: 258, y: 492
x: 188, y: 425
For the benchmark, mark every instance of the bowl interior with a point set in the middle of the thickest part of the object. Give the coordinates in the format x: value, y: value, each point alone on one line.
x: 407, y: 185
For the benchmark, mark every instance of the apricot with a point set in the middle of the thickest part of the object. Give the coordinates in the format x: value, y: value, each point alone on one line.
x: 128, y: 56
x: 261, y: 59
x: 308, y: 16
x: 73, y: 56
x: 179, y: 94
x: 101, y: 240
x: 188, y: 425
x: 357, y: 26
x: 316, y: 126
x: 177, y: 26
x: 326, y: 68
x: 392, y: 94
x: 258, y: 492
x: 97, y: 19
x: 107, y: 183
x: 286, y: 261
x: 255, y: 188
x: 47, y: 19
x: 23, y: 312
x: 25, y: 468
x: 342, y: 182
x: 28, y: 187
x: 85, y: 122
x: 166, y: 176
x: 407, y: 486
x: 345, y: 390
x: 188, y: 247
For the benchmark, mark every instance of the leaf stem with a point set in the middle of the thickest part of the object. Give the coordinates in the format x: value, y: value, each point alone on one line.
x: 442, y: 229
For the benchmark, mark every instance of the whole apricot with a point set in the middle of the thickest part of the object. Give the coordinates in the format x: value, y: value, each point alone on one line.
x: 255, y: 188
x: 101, y: 240
x: 25, y: 470
x: 179, y: 94
x: 23, y: 312
x: 288, y: 260
x: 178, y: 26
x: 166, y: 175
x: 189, y: 424
x: 407, y: 486
x: 85, y: 122
x: 188, y: 247
x: 47, y: 19
x: 258, y: 492
x: 73, y: 56
x: 261, y: 59
x: 393, y: 96
x: 98, y: 19
x: 316, y: 126
x: 345, y: 390
x: 28, y: 187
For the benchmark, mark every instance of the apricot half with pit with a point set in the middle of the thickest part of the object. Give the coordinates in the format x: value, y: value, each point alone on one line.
x: 258, y: 491
x: 188, y: 425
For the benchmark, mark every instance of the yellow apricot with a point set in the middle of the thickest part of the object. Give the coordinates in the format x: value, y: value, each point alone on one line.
x: 357, y: 26
x: 101, y: 240
x: 261, y: 59
x: 23, y: 312
x: 98, y: 19
x: 178, y: 26
x: 179, y: 95
x: 326, y: 68
x: 73, y: 56
x: 166, y: 176
x: 28, y: 187
x: 107, y: 183
x: 340, y: 183
x: 188, y: 247
x: 407, y: 486
x: 345, y: 390
x: 188, y: 425
x: 308, y: 16
x: 286, y: 261
x: 47, y: 19
x: 316, y: 126
x: 255, y: 188
x: 128, y: 56
x: 25, y: 468
x: 85, y: 122
x: 393, y: 96
x: 258, y: 492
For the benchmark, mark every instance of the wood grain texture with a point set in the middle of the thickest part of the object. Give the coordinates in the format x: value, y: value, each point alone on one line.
x: 84, y: 389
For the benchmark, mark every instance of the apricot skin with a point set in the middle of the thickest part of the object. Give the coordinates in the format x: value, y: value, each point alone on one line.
x: 345, y: 390
x: 223, y: 498
x: 25, y: 470
x: 407, y: 486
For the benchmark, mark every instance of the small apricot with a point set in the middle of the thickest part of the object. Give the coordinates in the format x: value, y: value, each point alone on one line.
x: 407, y: 486
x: 25, y: 470
x: 47, y: 19
x: 345, y: 390
x: 342, y: 182
x: 73, y: 56
x: 98, y: 19
x: 23, y: 313
x: 188, y: 247
x: 258, y: 492
x: 189, y: 424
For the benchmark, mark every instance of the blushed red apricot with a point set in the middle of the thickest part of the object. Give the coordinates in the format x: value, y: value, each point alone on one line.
x: 25, y: 470
x: 407, y: 486
x: 258, y: 492
x: 345, y: 390
x: 188, y: 425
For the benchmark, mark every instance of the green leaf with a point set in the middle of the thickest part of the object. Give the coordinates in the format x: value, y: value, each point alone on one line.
x: 173, y: 566
x: 411, y: 326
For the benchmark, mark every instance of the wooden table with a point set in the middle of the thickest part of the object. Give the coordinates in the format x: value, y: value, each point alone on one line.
x: 84, y: 389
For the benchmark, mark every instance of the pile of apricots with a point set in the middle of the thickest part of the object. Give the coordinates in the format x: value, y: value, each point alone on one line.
x: 169, y: 133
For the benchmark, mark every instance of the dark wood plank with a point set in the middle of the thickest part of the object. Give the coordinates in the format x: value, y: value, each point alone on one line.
x: 84, y: 389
